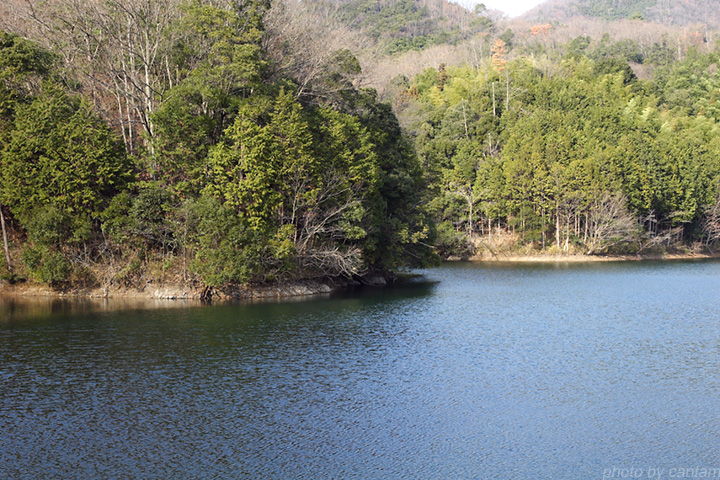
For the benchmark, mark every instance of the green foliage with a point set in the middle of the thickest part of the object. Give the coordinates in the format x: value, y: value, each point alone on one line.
x: 221, y: 51
x: 627, y: 50
x: 20, y: 60
x: 537, y: 163
x: 320, y: 187
x: 340, y: 68
x: 22, y: 66
x: 238, y: 177
x: 620, y: 51
x: 183, y: 135
x: 614, y: 66
x: 45, y: 264
x: 692, y: 86
x: 59, y: 154
x: 616, y: 9
x: 403, y: 25
x: 227, y: 250
x: 227, y: 42
x: 267, y: 147
x: 578, y: 46
x: 451, y: 243
x: 52, y: 226
x: 248, y: 177
x: 149, y: 212
x: 508, y: 36
x: 145, y: 215
x: 115, y: 220
x: 403, y: 232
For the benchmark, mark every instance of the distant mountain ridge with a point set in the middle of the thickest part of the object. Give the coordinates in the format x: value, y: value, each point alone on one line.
x: 669, y: 12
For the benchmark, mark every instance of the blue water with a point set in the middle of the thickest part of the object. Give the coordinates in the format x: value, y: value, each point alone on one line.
x: 504, y: 371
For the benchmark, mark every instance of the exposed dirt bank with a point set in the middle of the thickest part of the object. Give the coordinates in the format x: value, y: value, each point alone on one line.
x: 170, y: 291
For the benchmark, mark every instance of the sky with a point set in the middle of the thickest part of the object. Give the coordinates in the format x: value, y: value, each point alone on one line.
x: 512, y: 8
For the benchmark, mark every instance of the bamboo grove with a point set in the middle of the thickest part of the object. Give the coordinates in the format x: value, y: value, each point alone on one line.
x: 569, y: 151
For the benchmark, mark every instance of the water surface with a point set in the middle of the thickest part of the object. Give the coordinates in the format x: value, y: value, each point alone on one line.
x: 488, y: 371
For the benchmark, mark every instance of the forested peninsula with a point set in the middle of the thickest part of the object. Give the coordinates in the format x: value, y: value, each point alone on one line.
x: 220, y: 145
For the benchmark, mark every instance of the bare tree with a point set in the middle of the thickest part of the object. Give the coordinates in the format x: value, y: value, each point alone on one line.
x: 309, y: 44
x: 711, y: 223
x: 466, y: 192
x: 322, y: 224
x: 610, y: 223
x: 118, y: 49
x: 566, y: 210
x: 11, y: 18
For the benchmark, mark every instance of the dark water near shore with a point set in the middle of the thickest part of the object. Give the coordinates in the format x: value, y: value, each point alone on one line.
x: 490, y: 371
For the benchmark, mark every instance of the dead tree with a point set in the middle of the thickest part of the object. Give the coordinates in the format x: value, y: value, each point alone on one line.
x: 610, y: 223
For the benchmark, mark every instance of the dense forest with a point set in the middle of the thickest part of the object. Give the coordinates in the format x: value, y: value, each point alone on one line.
x: 577, y: 155
x: 570, y: 151
x: 161, y: 140
x: 235, y: 142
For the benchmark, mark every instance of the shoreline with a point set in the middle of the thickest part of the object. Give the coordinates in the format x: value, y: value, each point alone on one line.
x: 583, y: 258
x: 176, y: 291
x: 167, y: 292
x: 301, y: 288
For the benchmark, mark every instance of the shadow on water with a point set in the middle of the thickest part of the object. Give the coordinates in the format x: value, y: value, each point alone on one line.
x: 16, y: 308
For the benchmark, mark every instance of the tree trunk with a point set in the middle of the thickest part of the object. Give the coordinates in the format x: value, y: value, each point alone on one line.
x: 493, y: 96
x: 467, y: 135
x: 567, y: 236
x: 507, y: 92
x: 5, y: 240
x: 557, y: 224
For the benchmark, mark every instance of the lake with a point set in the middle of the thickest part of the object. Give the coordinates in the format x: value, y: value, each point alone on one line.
x: 482, y: 371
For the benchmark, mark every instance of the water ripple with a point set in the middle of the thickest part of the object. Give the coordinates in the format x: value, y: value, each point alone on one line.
x: 497, y: 371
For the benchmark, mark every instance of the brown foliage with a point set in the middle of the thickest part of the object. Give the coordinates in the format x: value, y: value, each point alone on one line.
x: 543, y: 29
x: 498, y: 55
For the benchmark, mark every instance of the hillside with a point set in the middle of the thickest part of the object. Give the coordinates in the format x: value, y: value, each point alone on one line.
x: 399, y: 26
x: 234, y: 142
x: 687, y: 12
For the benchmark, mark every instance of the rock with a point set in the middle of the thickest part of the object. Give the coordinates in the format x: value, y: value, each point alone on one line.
x: 374, y: 280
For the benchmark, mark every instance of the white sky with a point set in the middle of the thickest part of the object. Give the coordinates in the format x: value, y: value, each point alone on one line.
x: 512, y: 8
